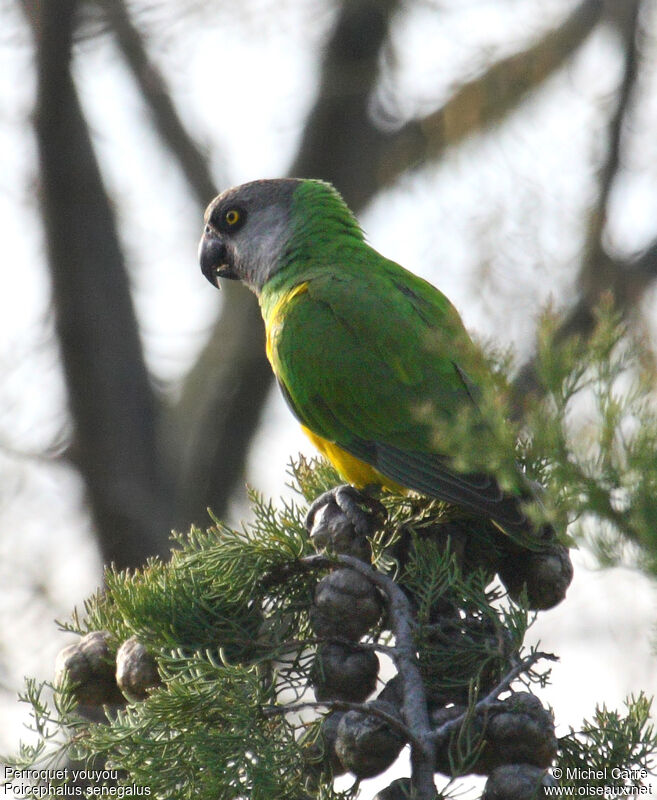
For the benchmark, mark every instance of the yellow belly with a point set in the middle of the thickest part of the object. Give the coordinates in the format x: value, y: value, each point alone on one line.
x: 356, y: 472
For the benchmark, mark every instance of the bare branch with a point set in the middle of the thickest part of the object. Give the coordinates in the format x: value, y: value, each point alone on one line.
x: 220, y: 408
x: 155, y: 92
x: 593, y: 250
x: 343, y: 144
x: 599, y: 272
x: 490, y: 97
x: 110, y: 396
x: 210, y: 429
x: 488, y: 702
x: 520, y: 669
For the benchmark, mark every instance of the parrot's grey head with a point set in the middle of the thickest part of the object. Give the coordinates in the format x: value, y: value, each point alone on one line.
x: 246, y: 231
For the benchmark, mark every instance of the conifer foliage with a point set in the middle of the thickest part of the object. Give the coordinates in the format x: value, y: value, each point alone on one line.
x: 262, y: 662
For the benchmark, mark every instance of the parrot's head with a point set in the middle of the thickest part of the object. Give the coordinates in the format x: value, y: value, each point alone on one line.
x: 246, y: 231
x: 250, y: 228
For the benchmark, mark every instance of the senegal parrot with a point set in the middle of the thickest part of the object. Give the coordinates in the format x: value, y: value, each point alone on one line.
x: 371, y: 359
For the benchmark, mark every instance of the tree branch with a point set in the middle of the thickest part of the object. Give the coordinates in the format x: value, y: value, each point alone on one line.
x: 488, y: 702
x: 342, y: 142
x: 151, y: 82
x: 210, y: 429
x: 109, y: 392
x: 220, y: 407
x: 481, y: 709
x: 600, y: 273
x: 344, y: 705
x: 498, y: 91
x: 415, y: 708
x: 594, y: 252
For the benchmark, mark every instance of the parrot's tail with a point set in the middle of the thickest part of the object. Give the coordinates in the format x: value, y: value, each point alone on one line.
x: 432, y: 475
x: 512, y: 519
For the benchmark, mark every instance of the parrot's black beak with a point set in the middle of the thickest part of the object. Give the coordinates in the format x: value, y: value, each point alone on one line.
x: 213, y: 257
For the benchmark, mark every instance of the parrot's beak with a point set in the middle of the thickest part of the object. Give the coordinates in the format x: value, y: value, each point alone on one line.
x: 213, y: 257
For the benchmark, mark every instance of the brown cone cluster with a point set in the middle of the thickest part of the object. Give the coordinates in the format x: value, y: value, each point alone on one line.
x: 99, y: 677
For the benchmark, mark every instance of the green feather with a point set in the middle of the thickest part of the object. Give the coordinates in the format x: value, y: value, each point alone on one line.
x: 372, y: 357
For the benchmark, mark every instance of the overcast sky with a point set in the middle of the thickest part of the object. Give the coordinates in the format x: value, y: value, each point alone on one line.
x: 496, y: 225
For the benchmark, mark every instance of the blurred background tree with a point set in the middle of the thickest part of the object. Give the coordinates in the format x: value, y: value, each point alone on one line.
x: 501, y: 148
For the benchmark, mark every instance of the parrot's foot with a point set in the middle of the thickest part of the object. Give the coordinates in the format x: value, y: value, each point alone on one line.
x: 363, y: 511
x: 342, y: 519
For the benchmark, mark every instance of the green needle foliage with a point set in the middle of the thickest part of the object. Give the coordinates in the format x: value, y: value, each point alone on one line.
x: 598, y: 424
x: 228, y: 618
x: 464, y: 638
x: 589, y: 436
x: 217, y: 634
x: 612, y: 749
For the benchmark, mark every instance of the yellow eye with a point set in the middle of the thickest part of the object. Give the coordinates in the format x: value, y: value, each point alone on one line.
x: 232, y: 217
x: 228, y: 220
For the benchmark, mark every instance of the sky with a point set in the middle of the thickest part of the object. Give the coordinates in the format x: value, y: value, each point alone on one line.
x: 496, y: 225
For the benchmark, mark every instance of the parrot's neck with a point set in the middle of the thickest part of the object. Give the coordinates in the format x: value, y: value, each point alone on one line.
x: 321, y: 225
x: 319, y: 244
x: 315, y: 253
x: 323, y: 238
x: 280, y: 286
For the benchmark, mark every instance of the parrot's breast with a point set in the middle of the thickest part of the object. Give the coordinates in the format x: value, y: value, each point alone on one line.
x: 353, y: 470
x: 274, y: 317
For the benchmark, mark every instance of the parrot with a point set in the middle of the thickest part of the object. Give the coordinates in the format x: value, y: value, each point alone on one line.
x: 370, y: 357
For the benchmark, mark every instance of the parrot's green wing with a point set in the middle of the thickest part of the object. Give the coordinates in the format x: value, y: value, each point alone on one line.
x: 372, y: 360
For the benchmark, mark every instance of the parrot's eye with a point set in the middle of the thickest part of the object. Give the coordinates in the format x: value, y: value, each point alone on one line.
x: 232, y: 219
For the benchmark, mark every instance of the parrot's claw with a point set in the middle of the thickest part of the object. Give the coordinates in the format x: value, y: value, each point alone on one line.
x: 364, y: 512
